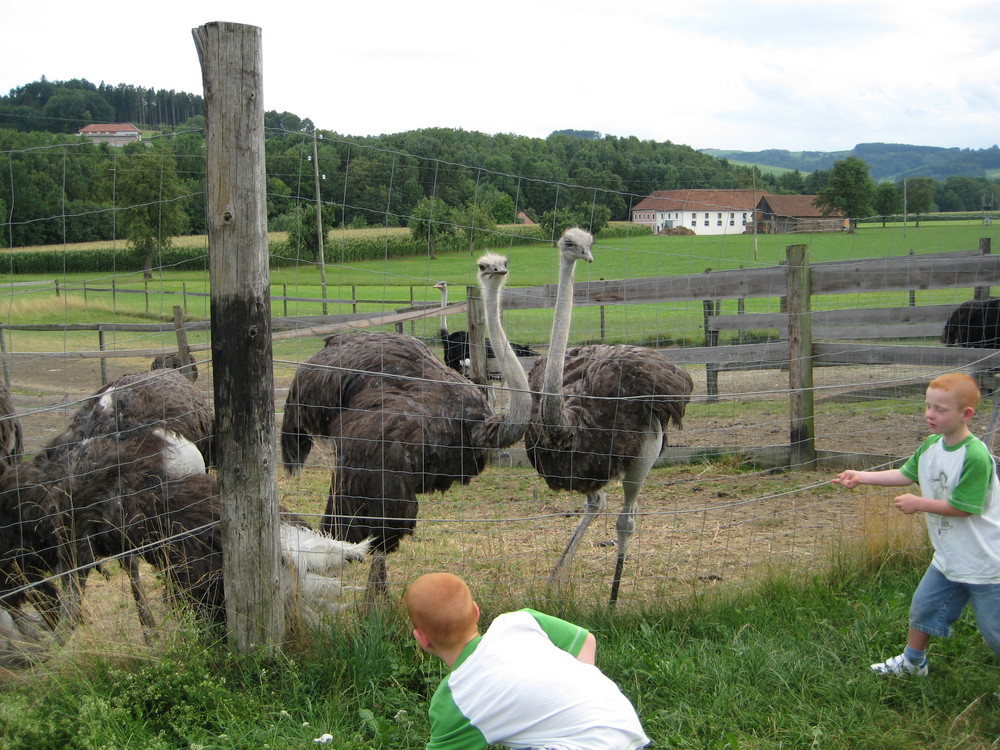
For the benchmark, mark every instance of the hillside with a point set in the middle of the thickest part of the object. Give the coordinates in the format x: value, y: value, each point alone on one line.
x: 888, y: 161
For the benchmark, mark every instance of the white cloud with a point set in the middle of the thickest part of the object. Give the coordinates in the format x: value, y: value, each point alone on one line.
x: 719, y: 73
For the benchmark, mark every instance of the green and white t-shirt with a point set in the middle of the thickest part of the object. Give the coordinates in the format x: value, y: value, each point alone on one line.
x: 966, y: 548
x: 520, y: 685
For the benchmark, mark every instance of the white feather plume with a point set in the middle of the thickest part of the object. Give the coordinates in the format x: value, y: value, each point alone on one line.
x: 313, y: 563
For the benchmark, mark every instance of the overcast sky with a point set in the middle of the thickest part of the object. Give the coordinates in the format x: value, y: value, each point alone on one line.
x: 818, y: 75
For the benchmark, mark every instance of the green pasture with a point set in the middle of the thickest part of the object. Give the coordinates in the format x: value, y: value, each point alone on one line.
x: 397, y: 283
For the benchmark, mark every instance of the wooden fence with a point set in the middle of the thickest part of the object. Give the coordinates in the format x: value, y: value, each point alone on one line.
x: 802, y: 338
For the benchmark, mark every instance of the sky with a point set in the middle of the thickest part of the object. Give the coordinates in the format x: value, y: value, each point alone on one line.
x: 816, y: 75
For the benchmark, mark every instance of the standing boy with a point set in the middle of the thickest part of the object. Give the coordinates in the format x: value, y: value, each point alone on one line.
x: 528, y: 682
x: 960, y: 498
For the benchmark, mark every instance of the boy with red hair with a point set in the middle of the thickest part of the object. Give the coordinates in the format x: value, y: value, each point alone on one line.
x: 528, y: 682
x: 960, y: 498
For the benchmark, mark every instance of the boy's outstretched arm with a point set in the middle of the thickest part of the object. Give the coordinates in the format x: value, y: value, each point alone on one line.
x: 887, y: 478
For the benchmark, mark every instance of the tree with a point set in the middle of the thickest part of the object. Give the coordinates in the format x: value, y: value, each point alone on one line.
x: 148, y: 192
x: 919, y: 196
x: 850, y: 191
x: 887, y: 200
x: 431, y: 222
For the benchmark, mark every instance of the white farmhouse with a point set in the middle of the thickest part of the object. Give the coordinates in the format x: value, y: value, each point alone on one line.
x: 701, y: 211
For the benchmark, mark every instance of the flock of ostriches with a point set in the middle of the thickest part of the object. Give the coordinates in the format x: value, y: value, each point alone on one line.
x: 130, y: 478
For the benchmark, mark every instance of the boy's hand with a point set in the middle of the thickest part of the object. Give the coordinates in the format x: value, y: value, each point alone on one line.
x: 907, y: 503
x: 849, y: 478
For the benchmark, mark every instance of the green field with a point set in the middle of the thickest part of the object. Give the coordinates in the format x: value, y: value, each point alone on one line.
x: 399, y: 281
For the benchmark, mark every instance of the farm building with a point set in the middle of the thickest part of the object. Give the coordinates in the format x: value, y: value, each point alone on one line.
x: 116, y: 133
x: 785, y: 214
x: 703, y: 211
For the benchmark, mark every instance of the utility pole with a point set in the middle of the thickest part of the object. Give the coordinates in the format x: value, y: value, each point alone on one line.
x: 320, y: 260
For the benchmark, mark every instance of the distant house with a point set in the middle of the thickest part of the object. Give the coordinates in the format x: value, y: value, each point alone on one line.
x: 785, y: 214
x: 702, y: 211
x: 117, y: 133
x: 523, y: 218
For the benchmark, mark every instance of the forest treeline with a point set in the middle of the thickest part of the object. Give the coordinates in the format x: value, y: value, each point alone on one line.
x: 887, y: 161
x: 446, y: 184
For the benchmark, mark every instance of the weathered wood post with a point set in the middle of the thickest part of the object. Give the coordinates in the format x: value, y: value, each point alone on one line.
x: 802, y: 452
x: 183, y: 350
x: 985, y: 248
x: 236, y: 216
x: 3, y: 350
x: 478, y: 372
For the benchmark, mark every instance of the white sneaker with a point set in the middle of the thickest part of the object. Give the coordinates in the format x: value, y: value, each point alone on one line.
x: 900, y: 665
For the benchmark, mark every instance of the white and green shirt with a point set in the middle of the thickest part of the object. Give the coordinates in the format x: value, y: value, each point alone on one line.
x: 520, y: 685
x: 966, y: 548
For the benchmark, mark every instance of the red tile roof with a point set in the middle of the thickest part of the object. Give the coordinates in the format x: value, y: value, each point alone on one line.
x: 701, y: 200
x: 108, y: 128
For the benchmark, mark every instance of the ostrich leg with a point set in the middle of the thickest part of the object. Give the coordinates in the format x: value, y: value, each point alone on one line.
x: 632, y: 482
x: 377, y: 578
x: 593, y: 505
x: 131, y: 564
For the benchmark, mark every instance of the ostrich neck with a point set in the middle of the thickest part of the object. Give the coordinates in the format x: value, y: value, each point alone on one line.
x: 444, y: 304
x: 554, y: 360
x: 518, y: 413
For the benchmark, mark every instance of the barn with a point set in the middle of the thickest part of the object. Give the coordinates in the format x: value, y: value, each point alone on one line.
x: 788, y: 214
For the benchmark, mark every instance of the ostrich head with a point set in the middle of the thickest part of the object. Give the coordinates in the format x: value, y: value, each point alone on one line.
x: 575, y: 245
x: 442, y: 286
x: 492, y: 270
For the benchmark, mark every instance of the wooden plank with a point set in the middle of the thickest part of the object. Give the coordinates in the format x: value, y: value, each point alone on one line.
x: 907, y: 272
x: 922, y: 356
x: 925, y: 314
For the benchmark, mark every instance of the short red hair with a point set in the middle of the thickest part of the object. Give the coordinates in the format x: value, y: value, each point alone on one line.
x: 961, y: 386
x: 441, y: 606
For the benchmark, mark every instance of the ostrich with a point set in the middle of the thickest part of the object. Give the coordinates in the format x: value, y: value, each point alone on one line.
x: 162, y: 401
x: 172, y: 361
x: 135, y: 402
x: 456, y: 344
x: 88, y: 497
x: 402, y: 422
x: 599, y: 412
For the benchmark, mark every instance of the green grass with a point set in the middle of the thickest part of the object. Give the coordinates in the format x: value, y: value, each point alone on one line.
x: 403, y: 280
x: 782, y: 665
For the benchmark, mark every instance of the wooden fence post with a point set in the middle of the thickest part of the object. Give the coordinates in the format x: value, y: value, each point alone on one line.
x: 183, y: 350
x: 709, y: 308
x: 104, y: 360
x: 982, y: 292
x: 3, y: 350
x: 802, y: 451
x: 478, y: 372
x: 604, y: 326
x: 243, y: 378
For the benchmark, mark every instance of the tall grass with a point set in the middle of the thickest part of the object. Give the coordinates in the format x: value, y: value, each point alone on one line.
x: 781, y: 665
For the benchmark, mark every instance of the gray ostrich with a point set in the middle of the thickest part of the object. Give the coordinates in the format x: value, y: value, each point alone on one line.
x: 161, y: 401
x: 402, y: 422
x: 599, y: 412
x: 163, y: 398
x: 112, y: 495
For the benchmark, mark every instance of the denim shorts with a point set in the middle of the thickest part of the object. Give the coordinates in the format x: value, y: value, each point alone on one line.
x: 938, y: 602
